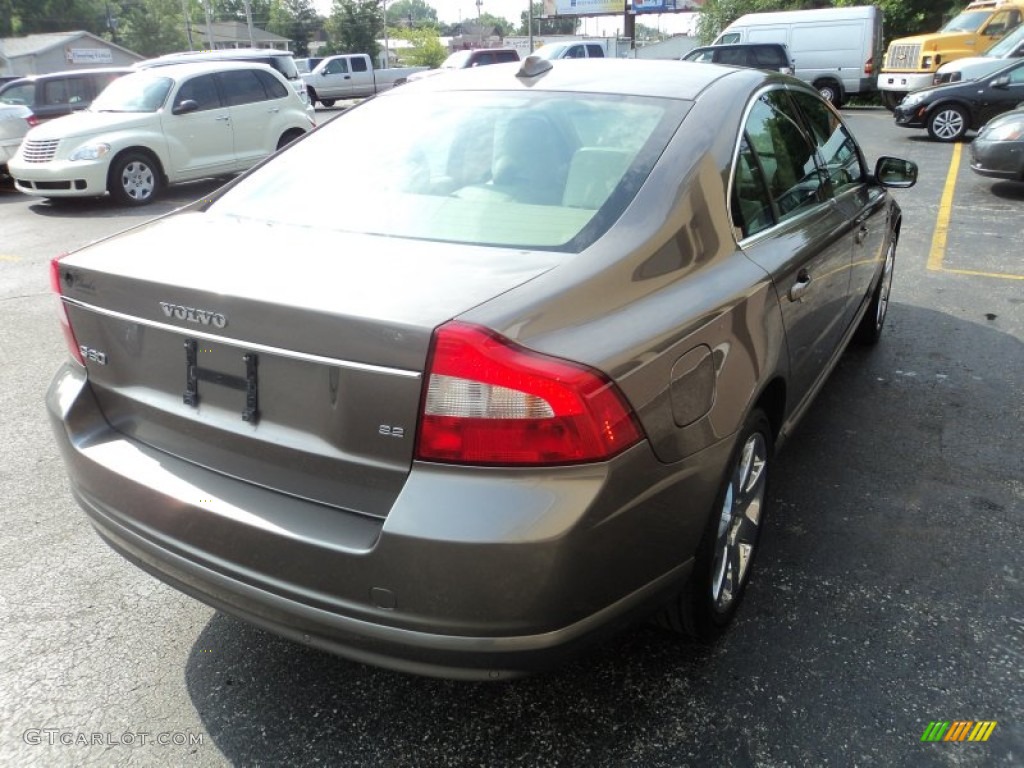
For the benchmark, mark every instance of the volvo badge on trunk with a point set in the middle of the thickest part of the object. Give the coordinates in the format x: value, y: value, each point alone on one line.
x: 193, y: 315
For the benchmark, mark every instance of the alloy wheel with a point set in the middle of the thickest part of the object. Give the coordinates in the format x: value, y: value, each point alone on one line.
x: 739, y: 522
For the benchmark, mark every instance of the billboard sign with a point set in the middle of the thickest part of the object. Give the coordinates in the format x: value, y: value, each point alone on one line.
x: 583, y: 7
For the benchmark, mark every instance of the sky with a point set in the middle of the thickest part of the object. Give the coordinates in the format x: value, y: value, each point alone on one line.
x: 601, y: 26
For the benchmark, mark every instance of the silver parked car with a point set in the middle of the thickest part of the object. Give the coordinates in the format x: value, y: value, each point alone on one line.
x: 520, y: 378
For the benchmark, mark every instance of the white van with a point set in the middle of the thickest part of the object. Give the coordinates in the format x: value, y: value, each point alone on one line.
x: 837, y: 50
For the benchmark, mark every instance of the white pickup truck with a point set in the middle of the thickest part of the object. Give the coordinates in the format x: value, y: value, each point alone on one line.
x: 350, y: 76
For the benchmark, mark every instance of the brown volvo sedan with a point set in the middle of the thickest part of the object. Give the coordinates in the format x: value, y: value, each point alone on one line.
x: 484, y: 367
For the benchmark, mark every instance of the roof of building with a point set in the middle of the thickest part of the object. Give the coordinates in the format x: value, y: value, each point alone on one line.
x: 237, y: 32
x: 31, y: 45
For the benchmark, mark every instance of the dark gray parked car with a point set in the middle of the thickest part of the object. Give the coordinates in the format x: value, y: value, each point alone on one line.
x: 998, y: 151
x: 522, y: 380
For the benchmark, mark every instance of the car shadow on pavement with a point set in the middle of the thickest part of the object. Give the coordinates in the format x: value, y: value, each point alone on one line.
x: 108, y: 208
x: 884, y: 597
x: 1008, y: 190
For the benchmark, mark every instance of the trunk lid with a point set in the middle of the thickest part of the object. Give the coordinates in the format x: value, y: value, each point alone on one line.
x: 290, y: 357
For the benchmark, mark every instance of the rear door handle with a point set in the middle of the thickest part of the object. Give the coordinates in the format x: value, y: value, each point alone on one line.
x: 803, y: 282
x: 862, y: 233
x: 222, y: 119
x: 274, y: 110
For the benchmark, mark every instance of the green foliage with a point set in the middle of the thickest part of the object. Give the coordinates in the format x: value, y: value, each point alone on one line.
x: 354, y: 27
x: 295, y: 19
x: 426, y: 50
x: 411, y: 13
x: 153, y: 27
x: 901, y: 17
x: 27, y: 17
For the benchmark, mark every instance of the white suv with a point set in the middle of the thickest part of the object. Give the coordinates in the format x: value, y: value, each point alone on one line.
x: 163, y: 126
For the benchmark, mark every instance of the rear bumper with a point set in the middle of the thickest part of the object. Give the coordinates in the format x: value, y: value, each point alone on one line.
x: 475, y: 575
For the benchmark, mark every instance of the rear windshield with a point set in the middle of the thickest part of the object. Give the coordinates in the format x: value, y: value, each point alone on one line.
x: 525, y: 170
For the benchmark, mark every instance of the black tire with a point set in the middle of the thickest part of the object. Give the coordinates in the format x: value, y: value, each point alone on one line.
x: 134, y: 179
x: 327, y: 102
x: 722, y: 566
x: 288, y: 137
x: 948, y: 122
x: 891, y: 98
x: 870, y: 329
x: 831, y: 92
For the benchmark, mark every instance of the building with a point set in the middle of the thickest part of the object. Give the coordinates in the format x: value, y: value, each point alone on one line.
x: 235, y: 34
x: 58, y: 51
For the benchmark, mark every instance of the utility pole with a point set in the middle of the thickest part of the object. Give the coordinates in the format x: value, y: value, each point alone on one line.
x: 248, y: 21
x: 387, y: 51
x: 188, y: 23
x: 209, y: 25
x: 529, y: 24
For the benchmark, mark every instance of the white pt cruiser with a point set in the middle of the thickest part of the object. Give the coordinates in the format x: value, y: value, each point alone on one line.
x: 163, y: 126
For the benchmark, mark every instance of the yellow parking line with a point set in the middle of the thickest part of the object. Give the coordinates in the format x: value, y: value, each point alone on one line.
x: 9, y: 258
x: 938, y: 251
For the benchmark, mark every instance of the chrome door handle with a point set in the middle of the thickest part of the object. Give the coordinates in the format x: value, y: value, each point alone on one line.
x: 803, y: 282
x: 274, y: 110
x: 221, y: 119
x: 861, y: 234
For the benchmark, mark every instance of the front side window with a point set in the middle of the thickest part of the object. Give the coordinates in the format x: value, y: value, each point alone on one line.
x: 516, y: 169
x: 703, y: 57
x: 202, y: 90
x: 838, y: 150
x: 335, y: 67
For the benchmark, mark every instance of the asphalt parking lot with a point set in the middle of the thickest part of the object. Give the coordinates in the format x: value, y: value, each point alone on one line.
x: 888, y: 591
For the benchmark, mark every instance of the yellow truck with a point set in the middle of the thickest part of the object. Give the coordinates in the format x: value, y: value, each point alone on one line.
x: 910, y: 62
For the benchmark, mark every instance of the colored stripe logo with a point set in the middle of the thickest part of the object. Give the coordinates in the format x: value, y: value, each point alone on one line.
x: 958, y: 730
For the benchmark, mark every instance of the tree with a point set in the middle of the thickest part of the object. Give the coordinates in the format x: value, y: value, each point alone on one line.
x: 411, y: 13
x: 354, y: 27
x: 426, y: 50
x: 26, y: 17
x: 295, y: 19
x: 152, y: 27
x: 566, y: 25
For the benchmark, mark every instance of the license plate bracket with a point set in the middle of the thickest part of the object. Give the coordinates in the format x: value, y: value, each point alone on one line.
x: 249, y: 383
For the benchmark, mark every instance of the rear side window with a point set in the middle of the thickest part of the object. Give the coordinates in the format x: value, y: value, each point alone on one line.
x: 506, y: 56
x: 733, y: 57
x: 595, y: 51
x: 66, y: 90
x: 202, y: 90
x: 769, y: 57
x: 271, y: 85
x: 358, y: 64
x: 286, y: 66
x: 484, y: 58
x: 241, y: 87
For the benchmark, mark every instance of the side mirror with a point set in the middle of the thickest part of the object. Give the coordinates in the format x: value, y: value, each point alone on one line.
x: 896, y: 173
x: 186, y: 106
x: 1001, y: 82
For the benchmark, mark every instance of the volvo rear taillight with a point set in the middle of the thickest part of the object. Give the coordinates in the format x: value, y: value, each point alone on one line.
x: 490, y: 401
x: 62, y: 310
